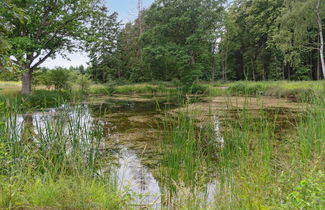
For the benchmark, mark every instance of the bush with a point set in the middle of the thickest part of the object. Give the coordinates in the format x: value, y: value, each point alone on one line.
x: 44, y: 99
x: 198, y: 89
x: 60, y: 79
x: 242, y: 88
x: 84, y: 83
x: 8, y: 76
x: 309, y: 193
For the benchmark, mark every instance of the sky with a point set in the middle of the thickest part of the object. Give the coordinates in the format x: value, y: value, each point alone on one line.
x: 127, y: 10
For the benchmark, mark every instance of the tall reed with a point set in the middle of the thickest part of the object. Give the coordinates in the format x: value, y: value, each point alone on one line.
x: 45, y: 156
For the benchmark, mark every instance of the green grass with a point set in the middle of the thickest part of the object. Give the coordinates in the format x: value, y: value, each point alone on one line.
x: 299, y: 90
x: 54, y: 164
x: 258, y: 168
x: 10, y: 88
x: 40, y: 99
x: 60, y: 193
x: 261, y: 171
x: 143, y: 88
x: 187, y: 161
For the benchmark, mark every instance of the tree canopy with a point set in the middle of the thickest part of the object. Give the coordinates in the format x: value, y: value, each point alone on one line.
x: 54, y: 27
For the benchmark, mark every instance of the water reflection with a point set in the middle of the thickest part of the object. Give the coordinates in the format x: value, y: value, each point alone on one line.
x: 138, y: 179
x: 121, y: 123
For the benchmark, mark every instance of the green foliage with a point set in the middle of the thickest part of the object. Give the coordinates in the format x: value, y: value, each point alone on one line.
x: 198, y: 89
x: 298, y: 31
x: 62, y: 193
x: 180, y: 53
x: 187, y: 152
x: 244, y: 88
x: 59, y: 78
x: 270, y: 39
x: 309, y: 193
x: 44, y: 99
x: 53, y: 28
x: 62, y: 79
x: 40, y: 99
x: 84, y: 84
x: 53, y: 170
x: 8, y: 10
x: 302, y: 73
x: 8, y: 76
x: 154, y: 47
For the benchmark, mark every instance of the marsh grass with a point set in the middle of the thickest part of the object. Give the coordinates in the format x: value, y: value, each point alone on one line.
x: 257, y: 167
x: 145, y: 88
x: 54, y: 162
x: 41, y: 99
x: 304, y: 91
x: 259, y: 170
x: 187, y: 164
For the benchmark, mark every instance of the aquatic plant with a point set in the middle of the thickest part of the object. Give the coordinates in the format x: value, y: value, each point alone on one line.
x: 53, y: 161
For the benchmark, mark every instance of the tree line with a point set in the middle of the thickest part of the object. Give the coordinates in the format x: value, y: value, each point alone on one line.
x: 212, y: 40
x: 184, y: 40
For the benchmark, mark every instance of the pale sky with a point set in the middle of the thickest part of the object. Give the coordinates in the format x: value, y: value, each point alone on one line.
x: 127, y: 10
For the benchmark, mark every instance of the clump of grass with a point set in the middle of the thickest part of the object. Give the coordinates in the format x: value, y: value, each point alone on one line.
x: 247, y: 88
x: 188, y: 151
x: 60, y: 193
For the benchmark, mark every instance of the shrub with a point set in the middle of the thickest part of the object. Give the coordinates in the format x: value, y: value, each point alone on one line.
x: 60, y: 79
x: 198, y: 89
x: 242, y: 88
x: 84, y: 83
x: 309, y: 193
x: 8, y: 76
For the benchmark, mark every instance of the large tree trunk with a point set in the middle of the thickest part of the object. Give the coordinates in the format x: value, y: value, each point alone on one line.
x: 26, y: 80
x: 321, y: 48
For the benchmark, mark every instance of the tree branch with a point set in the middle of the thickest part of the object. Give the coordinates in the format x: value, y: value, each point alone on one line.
x: 42, y: 59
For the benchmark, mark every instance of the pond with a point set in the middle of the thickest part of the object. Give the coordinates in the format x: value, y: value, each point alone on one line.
x: 132, y: 132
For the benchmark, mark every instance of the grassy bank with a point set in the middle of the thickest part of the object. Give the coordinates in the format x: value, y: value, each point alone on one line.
x: 142, y: 88
x: 40, y: 98
x: 299, y: 90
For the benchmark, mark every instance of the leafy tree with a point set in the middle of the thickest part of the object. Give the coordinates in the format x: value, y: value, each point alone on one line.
x: 300, y: 32
x: 105, y: 29
x: 245, y: 47
x: 7, y: 9
x: 178, y: 38
x: 55, y: 27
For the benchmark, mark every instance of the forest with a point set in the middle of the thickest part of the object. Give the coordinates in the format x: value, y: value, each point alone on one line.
x: 193, y: 104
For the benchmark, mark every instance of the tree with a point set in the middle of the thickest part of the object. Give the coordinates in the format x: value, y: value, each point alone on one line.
x: 178, y: 38
x: 105, y: 30
x: 300, y: 32
x: 55, y: 27
x: 7, y: 9
x: 245, y: 45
